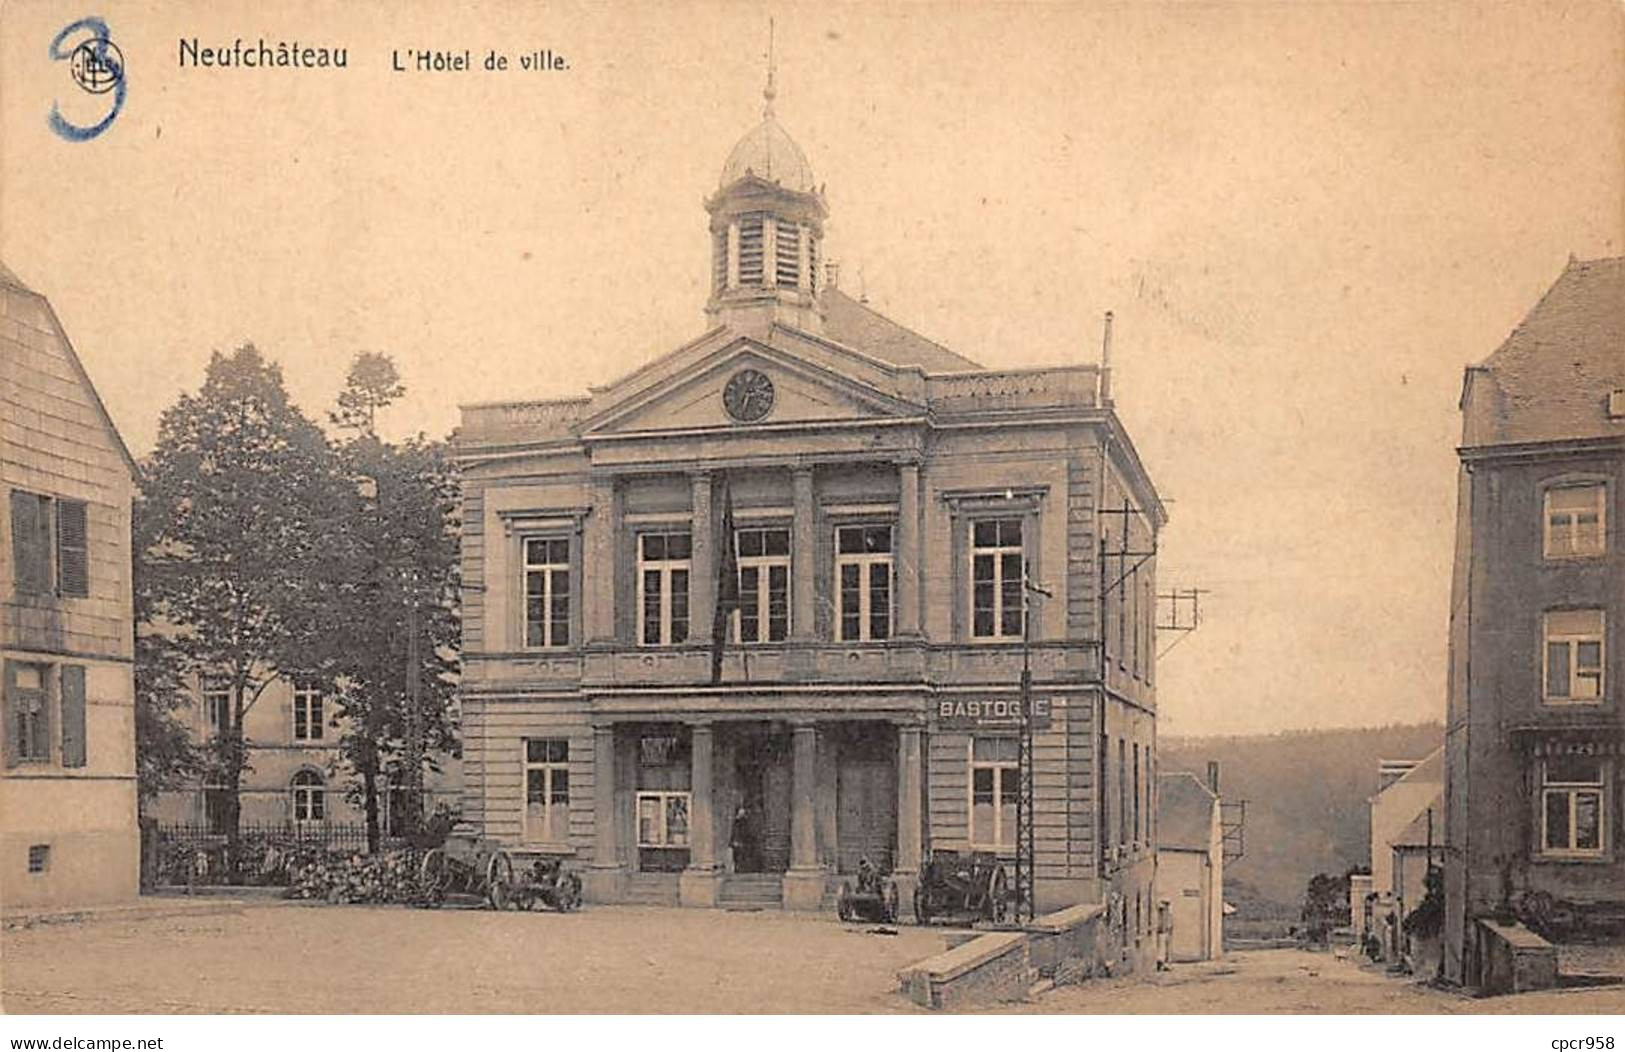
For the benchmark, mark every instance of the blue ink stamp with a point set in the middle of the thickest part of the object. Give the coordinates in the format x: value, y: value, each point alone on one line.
x: 97, y: 67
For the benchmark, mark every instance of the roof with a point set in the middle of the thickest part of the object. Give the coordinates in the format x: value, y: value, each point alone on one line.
x: 1550, y: 379
x: 1416, y: 834
x: 9, y: 278
x: 768, y: 152
x: 1184, y: 812
x: 849, y: 322
x: 1429, y: 769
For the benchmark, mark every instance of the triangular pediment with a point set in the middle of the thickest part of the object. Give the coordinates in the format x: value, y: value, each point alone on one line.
x: 798, y: 390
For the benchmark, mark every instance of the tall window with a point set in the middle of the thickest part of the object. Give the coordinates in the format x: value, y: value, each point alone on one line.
x: 309, y: 797
x: 1574, y: 656
x: 1122, y: 792
x: 547, y: 591
x: 1572, y: 805
x: 994, y: 788
x: 547, y: 790
x: 307, y: 713
x: 996, y: 578
x: 764, y: 585
x: 1576, y: 520
x: 47, y: 559
x: 217, y: 705
x: 28, y: 700
x: 663, y: 568
x: 863, y: 566
x: 1136, y: 792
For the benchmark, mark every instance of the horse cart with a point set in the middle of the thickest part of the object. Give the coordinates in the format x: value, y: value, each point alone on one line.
x: 874, y: 899
x: 467, y: 867
x: 963, y: 888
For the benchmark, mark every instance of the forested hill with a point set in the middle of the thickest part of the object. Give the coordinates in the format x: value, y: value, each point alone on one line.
x: 1306, y: 794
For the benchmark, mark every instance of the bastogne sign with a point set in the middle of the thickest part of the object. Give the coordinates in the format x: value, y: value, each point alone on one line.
x: 983, y: 713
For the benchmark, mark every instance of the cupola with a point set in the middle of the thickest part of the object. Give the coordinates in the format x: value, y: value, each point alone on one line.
x: 767, y: 227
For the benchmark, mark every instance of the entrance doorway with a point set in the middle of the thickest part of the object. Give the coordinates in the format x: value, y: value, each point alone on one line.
x: 866, y: 797
x: 760, y: 831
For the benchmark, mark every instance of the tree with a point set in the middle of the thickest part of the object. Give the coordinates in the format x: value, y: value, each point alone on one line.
x: 1325, y: 905
x: 242, y: 517
x: 399, y: 668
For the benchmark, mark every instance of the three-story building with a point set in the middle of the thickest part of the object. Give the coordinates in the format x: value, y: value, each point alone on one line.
x: 1533, y: 816
x: 885, y: 501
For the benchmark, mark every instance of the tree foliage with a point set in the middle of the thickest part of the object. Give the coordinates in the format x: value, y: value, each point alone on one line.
x: 241, y: 512
x: 404, y: 575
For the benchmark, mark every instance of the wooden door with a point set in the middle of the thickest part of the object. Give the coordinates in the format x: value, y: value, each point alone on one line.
x: 865, y: 814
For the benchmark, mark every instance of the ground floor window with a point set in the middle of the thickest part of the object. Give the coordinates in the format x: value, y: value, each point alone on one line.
x: 1572, y: 805
x: 309, y: 797
x: 547, y: 790
x: 215, y: 800
x: 994, y: 789
x: 663, y: 819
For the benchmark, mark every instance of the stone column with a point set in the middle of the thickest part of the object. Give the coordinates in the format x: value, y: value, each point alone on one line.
x: 804, y: 883
x: 908, y: 553
x: 906, y: 867
x: 803, y: 553
x: 606, y: 875
x: 698, y: 884
x: 598, y: 576
x: 702, y: 577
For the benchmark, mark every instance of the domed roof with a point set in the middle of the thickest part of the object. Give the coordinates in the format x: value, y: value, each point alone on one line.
x: 768, y: 152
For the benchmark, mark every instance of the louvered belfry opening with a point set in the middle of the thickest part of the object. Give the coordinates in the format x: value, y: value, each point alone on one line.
x: 751, y: 229
x: 787, y: 253
x: 719, y: 259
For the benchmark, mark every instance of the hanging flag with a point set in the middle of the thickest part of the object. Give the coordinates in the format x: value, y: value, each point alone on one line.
x: 727, y: 579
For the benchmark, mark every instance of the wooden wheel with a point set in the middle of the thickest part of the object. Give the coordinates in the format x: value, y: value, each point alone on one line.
x: 922, y: 905
x: 569, y: 892
x: 433, y: 875
x: 498, y: 880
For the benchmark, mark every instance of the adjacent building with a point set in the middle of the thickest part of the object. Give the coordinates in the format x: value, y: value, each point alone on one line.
x: 67, y: 789
x: 878, y: 504
x: 1190, y: 865
x: 294, y: 776
x: 1533, y: 738
x: 1407, y: 835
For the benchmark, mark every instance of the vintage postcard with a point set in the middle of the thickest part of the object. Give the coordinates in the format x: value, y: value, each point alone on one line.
x: 716, y: 508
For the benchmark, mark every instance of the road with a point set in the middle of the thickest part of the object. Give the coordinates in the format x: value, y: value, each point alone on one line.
x: 312, y: 959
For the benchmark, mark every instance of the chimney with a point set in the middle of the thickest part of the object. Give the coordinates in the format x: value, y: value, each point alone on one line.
x: 1106, y: 363
x: 832, y: 274
x: 1212, y: 765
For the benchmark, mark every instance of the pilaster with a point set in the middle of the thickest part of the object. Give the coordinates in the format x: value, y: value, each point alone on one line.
x: 910, y: 554
x: 697, y: 886
x: 606, y: 877
x: 804, y: 883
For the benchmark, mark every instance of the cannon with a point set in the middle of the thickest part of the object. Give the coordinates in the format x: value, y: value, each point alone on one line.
x: 548, y: 885
x: 962, y: 887
x: 467, y: 866
x: 874, y: 899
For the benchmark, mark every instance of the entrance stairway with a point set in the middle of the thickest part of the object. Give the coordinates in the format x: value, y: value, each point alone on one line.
x: 751, y: 891
x: 651, y: 889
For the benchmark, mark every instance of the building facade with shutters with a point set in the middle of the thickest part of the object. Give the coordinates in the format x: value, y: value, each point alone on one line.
x: 1534, y: 824
x: 68, y: 830
x: 866, y: 505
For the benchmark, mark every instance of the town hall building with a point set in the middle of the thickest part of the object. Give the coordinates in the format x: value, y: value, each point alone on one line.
x: 887, y: 503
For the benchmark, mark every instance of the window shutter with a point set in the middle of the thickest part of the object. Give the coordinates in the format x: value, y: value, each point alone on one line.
x: 30, y: 553
x: 73, y: 715
x: 9, y: 732
x: 72, y: 550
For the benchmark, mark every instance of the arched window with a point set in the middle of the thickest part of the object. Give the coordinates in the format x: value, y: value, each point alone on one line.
x: 309, y: 797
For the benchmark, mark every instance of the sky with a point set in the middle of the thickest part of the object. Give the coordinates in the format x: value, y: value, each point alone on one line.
x: 1306, y: 218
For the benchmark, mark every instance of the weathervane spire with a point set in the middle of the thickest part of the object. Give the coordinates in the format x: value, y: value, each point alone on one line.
x: 769, y: 92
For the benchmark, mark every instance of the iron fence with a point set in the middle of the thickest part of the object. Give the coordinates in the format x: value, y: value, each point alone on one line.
x: 265, y: 852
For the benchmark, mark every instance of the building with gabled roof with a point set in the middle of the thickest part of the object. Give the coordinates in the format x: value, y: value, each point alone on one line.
x: 1190, y: 866
x: 68, y: 832
x: 877, y: 503
x: 1534, y: 732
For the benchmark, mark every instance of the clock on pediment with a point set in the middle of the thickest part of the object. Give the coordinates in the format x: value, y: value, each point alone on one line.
x: 748, y: 396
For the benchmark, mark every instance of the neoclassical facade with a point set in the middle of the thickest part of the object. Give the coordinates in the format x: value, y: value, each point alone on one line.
x: 884, y: 499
